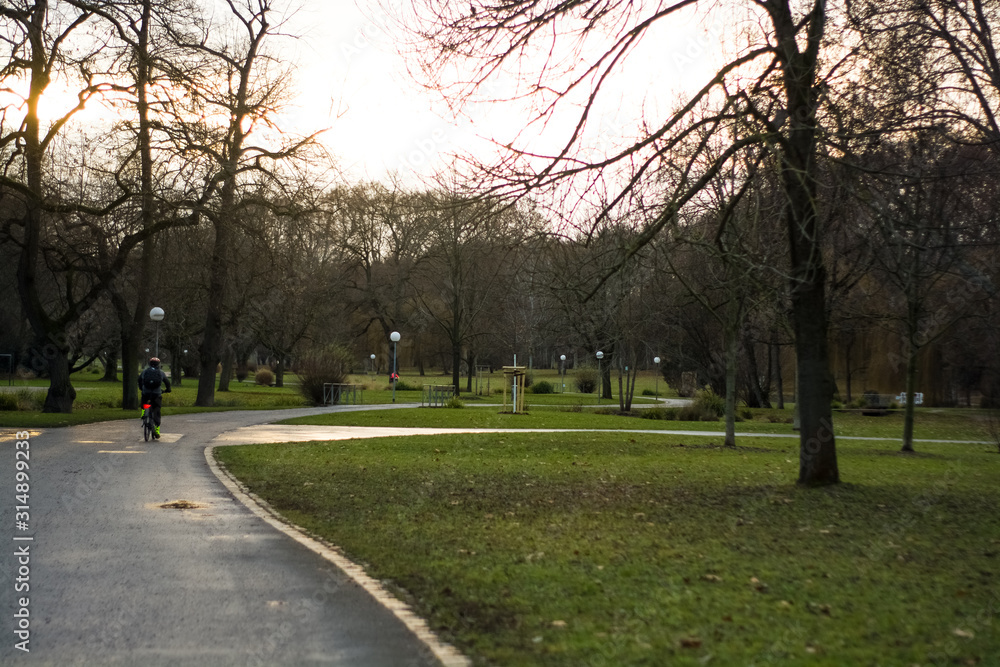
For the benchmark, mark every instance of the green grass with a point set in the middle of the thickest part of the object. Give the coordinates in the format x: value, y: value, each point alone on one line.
x: 101, y: 401
x: 98, y: 401
x: 636, y: 549
x: 378, y: 390
x: 951, y: 424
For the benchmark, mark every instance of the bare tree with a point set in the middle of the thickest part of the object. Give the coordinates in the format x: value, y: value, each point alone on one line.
x: 234, y: 90
x: 56, y: 198
x: 732, y: 271
x: 775, y: 86
x: 469, y: 244
x: 924, y: 216
x: 143, y: 47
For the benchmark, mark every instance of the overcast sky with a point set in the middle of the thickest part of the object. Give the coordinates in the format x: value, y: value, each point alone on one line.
x: 354, y: 81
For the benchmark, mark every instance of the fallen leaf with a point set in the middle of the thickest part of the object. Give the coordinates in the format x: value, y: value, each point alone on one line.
x: 691, y: 642
x: 817, y: 608
x: 712, y: 578
x: 965, y: 634
x: 558, y: 624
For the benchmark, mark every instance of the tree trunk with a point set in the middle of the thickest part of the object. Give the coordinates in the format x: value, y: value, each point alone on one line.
x: 279, y: 371
x: 621, y: 391
x: 51, y: 351
x: 847, y: 380
x: 471, y: 371
x: 911, y: 388
x: 732, y: 348
x: 176, y: 365
x: 418, y: 349
x: 814, y: 381
x: 456, y: 367
x: 228, y: 361
x: 605, y: 381
x: 777, y: 376
x: 61, y: 393
x: 814, y: 385
x: 631, y: 389
x: 211, y: 342
x: 133, y: 326
x: 757, y: 395
x: 110, y: 361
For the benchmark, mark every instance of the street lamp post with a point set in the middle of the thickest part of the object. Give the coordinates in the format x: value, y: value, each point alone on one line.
x: 600, y: 377
x: 156, y: 314
x: 394, y: 337
x: 562, y: 359
x: 373, y: 365
x: 656, y: 392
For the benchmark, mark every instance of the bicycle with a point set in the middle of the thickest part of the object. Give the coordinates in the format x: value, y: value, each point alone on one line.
x: 147, y: 422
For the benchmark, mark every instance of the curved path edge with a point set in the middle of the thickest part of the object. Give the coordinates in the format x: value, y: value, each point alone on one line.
x: 447, y: 654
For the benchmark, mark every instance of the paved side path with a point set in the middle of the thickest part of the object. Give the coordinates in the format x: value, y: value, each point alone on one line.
x: 115, y: 579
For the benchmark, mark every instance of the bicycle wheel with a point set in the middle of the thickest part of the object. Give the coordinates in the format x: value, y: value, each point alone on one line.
x: 147, y: 428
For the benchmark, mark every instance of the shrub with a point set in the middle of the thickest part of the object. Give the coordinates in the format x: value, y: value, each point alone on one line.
x: 264, y: 377
x: 542, y: 387
x: 696, y: 413
x: 454, y: 402
x: 746, y: 413
x: 31, y: 400
x: 649, y: 392
x: 24, y: 399
x: 586, y: 380
x: 402, y: 385
x: 708, y: 402
x: 836, y: 405
x: 669, y: 414
x: 320, y: 367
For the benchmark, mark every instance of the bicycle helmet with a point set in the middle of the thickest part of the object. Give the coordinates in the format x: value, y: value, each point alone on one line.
x: 155, y: 362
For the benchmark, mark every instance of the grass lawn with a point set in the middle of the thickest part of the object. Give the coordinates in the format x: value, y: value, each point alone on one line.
x: 643, y: 549
x: 98, y: 401
x: 101, y: 401
x: 929, y: 423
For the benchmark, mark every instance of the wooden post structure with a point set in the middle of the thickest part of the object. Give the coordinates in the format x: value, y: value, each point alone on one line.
x: 514, y: 385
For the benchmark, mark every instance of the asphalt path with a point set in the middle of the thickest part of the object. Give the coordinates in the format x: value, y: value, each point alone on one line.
x: 116, y: 578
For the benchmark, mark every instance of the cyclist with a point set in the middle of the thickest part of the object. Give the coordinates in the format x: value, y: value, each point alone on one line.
x: 149, y: 384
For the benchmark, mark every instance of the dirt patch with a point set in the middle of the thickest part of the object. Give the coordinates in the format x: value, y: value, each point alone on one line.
x: 182, y: 505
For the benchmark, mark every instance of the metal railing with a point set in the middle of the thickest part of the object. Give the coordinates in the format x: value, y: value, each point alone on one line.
x: 342, y: 394
x: 437, y: 395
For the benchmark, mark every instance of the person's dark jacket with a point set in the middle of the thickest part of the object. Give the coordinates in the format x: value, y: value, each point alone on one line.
x: 151, y: 375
